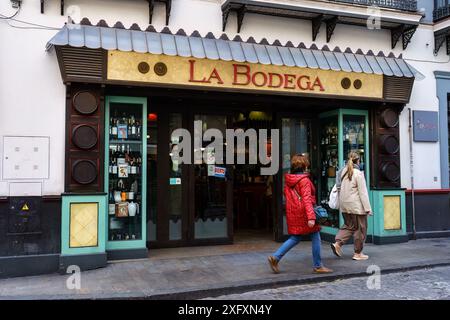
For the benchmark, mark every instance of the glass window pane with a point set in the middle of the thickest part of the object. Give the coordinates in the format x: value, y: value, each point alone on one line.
x: 175, y: 200
x: 210, y: 188
x: 328, y: 139
x: 296, y: 138
x: 354, y: 138
x: 125, y: 167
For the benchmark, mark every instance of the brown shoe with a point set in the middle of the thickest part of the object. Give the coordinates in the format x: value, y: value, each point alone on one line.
x: 322, y: 270
x: 336, y: 248
x: 273, y: 263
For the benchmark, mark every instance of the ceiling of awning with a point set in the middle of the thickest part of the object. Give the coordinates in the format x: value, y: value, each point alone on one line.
x: 101, y: 36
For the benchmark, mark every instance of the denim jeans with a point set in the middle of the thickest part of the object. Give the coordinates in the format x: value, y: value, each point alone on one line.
x: 294, y: 240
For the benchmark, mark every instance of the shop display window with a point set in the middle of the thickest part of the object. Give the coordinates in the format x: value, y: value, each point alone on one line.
x: 329, y: 165
x: 125, y: 170
x: 340, y: 132
x: 354, y: 137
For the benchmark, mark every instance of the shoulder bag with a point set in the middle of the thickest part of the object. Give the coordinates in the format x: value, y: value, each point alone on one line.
x: 321, y: 212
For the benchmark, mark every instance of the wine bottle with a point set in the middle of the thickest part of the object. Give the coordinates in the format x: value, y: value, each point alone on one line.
x: 138, y: 129
x: 114, y: 129
x: 133, y: 127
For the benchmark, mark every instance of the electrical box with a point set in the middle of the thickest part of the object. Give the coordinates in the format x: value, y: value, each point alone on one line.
x: 26, y: 157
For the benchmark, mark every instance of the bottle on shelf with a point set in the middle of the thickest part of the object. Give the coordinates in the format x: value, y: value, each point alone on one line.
x: 113, y: 128
x: 133, y: 128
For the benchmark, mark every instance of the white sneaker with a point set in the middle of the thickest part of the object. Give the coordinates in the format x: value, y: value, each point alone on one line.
x: 360, y: 256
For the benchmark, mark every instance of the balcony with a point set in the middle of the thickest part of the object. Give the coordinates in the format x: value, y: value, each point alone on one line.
x: 442, y: 10
x: 404, y: 5
x: 401, y: 18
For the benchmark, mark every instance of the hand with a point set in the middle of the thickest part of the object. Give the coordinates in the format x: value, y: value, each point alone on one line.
x: 311, y: 223
x: 370, y: 213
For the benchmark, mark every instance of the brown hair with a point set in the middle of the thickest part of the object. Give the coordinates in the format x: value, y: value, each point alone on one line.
x: 299, y: 162
x: 353, y: 158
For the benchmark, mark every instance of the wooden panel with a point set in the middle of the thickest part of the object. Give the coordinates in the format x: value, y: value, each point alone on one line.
x: 81, y: 63
x: 392, y: 212
x: 385, y: 153
x: 84, y: 139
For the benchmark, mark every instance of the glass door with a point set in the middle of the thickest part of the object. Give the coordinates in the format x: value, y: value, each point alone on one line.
x: 125, y: 167
x: 167, y: 181
x: 296, y: 138
x: 340, y: 132
x: 212, y: 188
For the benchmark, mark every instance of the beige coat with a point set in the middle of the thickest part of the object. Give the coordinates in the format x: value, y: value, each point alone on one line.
x: 353, y: 195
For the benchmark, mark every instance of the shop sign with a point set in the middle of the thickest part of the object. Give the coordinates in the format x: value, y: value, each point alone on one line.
x: 426, y: 127
x: 176, y: 71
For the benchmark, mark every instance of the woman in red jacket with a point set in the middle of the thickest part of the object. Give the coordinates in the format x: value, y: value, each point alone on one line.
x: 300, y: 197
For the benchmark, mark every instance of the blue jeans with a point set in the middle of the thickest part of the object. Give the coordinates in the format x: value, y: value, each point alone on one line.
x: 294, y: 240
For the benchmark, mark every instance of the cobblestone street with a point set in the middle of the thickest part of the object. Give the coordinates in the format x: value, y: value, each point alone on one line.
x: 426, y: 284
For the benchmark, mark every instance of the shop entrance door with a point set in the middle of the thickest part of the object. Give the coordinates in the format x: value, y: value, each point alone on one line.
x: 211, y: 187
x: 296, y: 137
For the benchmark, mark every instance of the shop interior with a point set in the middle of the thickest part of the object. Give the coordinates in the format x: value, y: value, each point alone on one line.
x: 253, y: 206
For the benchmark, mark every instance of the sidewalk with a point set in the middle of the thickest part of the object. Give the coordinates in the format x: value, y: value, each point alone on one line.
x: 167, y: 276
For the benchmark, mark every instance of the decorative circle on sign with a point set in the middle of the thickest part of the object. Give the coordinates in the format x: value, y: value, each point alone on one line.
x: 160, y: 68
x: 357, y: 84
x: 85, y: 102
x: 389, y: 118
x: 143, y: 67
x: 84, y: 137
x: 346, y: 83
x: 389, y: 144
x: 390, y: 171
x: 84, y: 171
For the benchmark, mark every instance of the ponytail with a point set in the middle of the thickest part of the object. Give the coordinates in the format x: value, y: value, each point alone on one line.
x: 353, y: 158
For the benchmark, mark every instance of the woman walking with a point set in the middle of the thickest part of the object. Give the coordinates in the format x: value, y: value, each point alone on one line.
x: 300, y: 197
x: 355, y: 207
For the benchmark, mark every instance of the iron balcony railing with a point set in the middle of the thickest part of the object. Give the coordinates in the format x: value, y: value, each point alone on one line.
x: 405, y: 5
x: 441, y: 12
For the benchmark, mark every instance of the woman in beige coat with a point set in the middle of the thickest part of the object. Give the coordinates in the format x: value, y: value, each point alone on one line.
x: 355, y: 207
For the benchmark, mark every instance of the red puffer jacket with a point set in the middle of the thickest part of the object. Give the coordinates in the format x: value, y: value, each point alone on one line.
x: 299, y: 212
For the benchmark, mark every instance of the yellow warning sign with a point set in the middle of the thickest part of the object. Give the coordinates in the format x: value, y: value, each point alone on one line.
x: 25, y: 207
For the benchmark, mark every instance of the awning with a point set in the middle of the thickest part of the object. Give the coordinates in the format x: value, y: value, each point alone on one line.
x: 179, y: 44
x: 88, y: 53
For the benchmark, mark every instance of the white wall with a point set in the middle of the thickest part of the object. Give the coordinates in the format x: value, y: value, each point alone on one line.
x: 32, y: 96
x: 426, y: 155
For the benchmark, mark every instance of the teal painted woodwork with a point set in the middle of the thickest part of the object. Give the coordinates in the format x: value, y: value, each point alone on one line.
x: 378, y: 209
x: 142, y: 102
x: 67, y: 200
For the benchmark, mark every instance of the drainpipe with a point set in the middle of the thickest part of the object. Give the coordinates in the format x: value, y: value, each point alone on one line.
x: 411, y: 165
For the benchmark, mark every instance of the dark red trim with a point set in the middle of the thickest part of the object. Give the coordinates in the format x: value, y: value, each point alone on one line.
x: 429, y: 191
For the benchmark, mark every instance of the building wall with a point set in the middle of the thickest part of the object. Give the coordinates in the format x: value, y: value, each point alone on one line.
x: 32, y: 95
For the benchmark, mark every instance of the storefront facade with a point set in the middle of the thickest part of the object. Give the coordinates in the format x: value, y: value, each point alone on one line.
x: 118, y: 192
x: 332, y: 101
